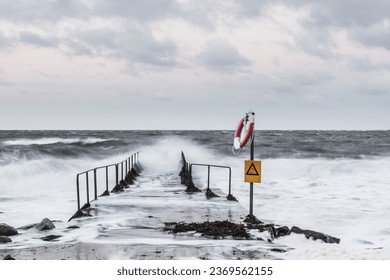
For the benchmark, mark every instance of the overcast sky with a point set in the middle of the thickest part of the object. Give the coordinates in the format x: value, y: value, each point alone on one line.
x: 182, y: 64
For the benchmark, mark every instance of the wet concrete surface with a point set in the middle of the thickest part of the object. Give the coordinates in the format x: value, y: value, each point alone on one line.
x: 129, y: 225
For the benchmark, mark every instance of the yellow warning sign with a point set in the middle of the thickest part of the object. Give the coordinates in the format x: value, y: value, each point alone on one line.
x: 252, y: 171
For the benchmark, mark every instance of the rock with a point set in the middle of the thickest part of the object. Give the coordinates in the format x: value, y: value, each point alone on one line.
x: 281, y: 231
x: 27, y: 227
x: 8, y: 258
x: 210, y: 194
x: 4, y: 239
x: 85, y: 206
x: 45, y: 224
x: 6, y: 230
x: 315, y: 235
x: 73, y: 227
x: 106, y: 193
x: 216, y: 229
x: 231, y: 197
x: 251, y: 219
x: 50, y: 237
x: 278, y: 250
x: 79, y: 214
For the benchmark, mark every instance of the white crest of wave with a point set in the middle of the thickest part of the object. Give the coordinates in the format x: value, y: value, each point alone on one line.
x: 53, y: 140
x: 165, y: 154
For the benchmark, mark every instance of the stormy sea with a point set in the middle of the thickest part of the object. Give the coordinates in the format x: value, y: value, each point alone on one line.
x: 337, y: 182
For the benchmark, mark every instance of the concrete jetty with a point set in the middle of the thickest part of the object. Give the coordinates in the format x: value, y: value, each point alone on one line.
x: 129, y: 225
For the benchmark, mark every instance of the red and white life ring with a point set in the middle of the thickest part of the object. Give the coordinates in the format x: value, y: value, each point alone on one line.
x: 244, y: 132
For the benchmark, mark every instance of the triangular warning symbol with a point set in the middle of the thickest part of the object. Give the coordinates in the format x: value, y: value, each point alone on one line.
x: 252, y: 170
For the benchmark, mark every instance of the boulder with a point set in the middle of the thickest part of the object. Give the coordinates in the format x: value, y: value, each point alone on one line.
x: 282, y: 231
x: 6, y: 230
x: 4, y: 239
x: 45, y: 224
x: 51, y: 237
x: 315, y: 235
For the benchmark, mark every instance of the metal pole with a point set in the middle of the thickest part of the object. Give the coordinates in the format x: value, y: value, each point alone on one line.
x: 116, y: 175
x: 230, y: 181
x: 208, y: 177
x: 78, y: 191
x: 251, y: 184
x: 126, y: 168
x: 106, y: 178
x: 87, y: 182
x: 95, y: 182
x: 122, y: 170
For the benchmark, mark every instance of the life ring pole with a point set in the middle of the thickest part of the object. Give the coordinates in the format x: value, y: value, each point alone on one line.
x: 252, y: 156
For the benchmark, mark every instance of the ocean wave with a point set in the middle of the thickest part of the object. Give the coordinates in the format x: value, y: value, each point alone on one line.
x: 53, y: 140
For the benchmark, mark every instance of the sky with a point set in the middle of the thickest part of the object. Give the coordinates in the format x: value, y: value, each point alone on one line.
x: 182, y: 64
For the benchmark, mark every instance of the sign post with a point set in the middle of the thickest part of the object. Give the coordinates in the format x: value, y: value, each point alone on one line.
x: 245, y: 132
x: 251, y: 183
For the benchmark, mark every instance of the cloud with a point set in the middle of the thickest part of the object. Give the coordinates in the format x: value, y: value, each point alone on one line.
x: 132, y: 43
x: 43, y: 10
x: 365, y: 63
x: 38, y: 40
x: 376, y: 36
x: 220, y: 55
x: 145, y: 10
x: 4, y: 41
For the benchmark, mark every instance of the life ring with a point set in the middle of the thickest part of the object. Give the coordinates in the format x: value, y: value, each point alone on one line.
x: 241, y: 138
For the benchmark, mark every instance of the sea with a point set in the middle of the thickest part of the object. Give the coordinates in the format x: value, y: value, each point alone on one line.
x: 335, y: 182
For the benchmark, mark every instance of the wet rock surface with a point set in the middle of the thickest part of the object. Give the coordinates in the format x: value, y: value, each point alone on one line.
x: 6, y: 230
x: 210, y: 194
x: 314, y: 235
x: 8, y: 258
x: 223, y: 229
x: 79, y: 214
x: 4, y: 239
x: 217, y: 229
x: 45, y: 224
x: 51, y: 237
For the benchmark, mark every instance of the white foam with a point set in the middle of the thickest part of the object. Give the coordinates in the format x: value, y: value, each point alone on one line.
x: 53, y: 140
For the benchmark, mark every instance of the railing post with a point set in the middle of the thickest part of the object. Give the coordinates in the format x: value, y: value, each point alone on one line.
x: 116, y: 174
x: 132, y: 161
x: 208, y: 177
x: 95, y: 182
x: 78, y: 191
x: 87, y: 183
x: 122, y: 170
x: 126, y: 168
x: 230, y: 181
x: 106, y: 178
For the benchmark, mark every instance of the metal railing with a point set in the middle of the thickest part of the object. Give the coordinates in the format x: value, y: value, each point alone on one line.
x: 121, y: 170
x: 208, y: 173
x: 186, y: 176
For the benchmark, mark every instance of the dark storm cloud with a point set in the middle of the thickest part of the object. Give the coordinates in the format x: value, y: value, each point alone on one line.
x: 37, y: 40
x: 220, y: 55
x: 134, y: 44
x: 42, y: 10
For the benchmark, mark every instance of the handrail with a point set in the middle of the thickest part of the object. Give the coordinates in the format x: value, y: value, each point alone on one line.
x: 186, y: 177
x: 208, y: 173
x: 126, y: 166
